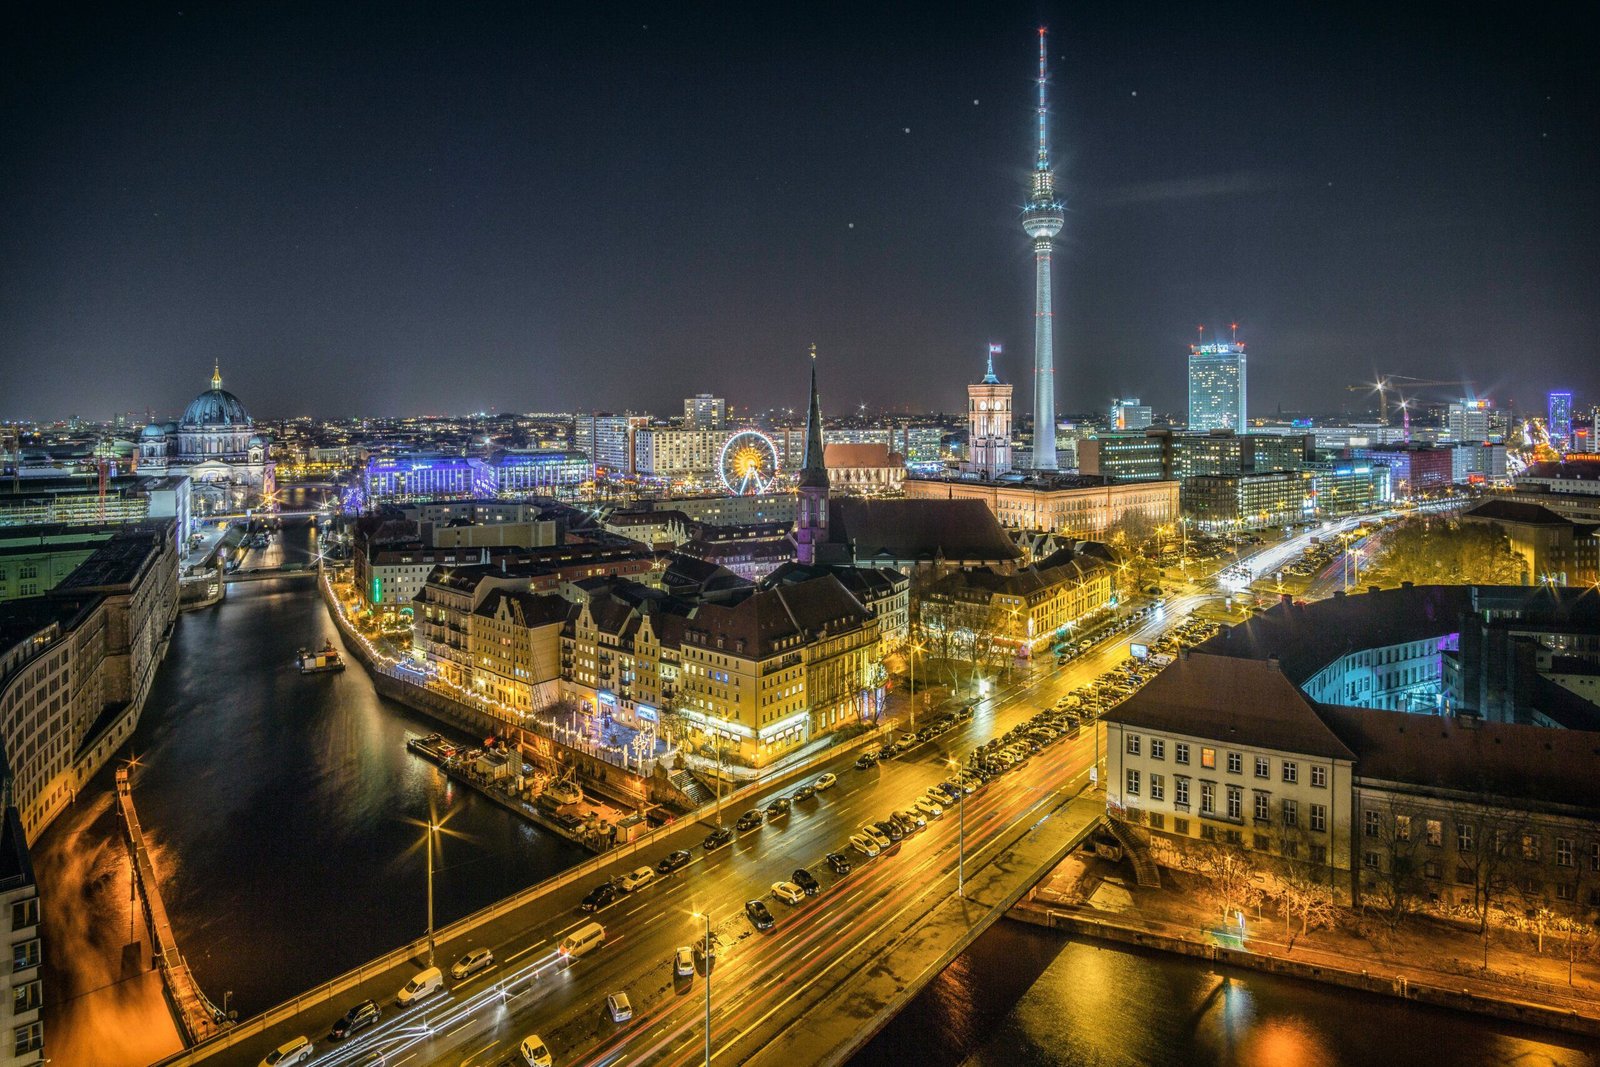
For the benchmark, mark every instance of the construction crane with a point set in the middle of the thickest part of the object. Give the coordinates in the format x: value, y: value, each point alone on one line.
x: 1387, y: 383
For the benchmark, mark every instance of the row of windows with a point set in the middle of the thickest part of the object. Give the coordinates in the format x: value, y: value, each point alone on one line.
x: 1261, y: 807
x: 1289, y: 770
x: 1531, y: 843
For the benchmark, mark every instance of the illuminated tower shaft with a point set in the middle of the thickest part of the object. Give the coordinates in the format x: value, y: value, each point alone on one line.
x: 1042, y: 220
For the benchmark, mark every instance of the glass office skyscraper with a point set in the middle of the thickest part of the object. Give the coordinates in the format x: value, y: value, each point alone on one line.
x: 1217, y: 387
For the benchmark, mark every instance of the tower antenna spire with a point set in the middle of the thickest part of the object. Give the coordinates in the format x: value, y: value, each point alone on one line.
x: 1044, y: 140
x: 1042, y: 219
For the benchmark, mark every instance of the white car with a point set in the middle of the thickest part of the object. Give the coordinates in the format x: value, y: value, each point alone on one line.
x: 864, y: 845
x: 288, y: 1053
x: 473, y: 962
x: 534, y: 1052
x: 788, y: 892
x: 877, y: 836
x: 928, y: 807
x: 827, y: 781
x: 638, y: 879
x: 683, y: 962
x: 619, y: 1008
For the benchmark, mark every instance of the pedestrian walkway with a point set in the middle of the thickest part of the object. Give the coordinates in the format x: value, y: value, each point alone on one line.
x: 198, y: 1018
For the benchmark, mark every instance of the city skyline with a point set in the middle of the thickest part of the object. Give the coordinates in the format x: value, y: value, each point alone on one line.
x: 229, y: 191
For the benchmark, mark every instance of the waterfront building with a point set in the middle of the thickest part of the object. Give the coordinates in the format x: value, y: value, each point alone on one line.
x: 22, y: 997
x: 607, y: 440
x: 1559, y: 424
x: 1042, y: 219
x: 77, y: 663
x: 1128, y: 413
x: 215, y: 445
x: 389, y: 575
x: 989, y: 424
x: 1020, y: 611
x: 1228, y: 751
x: 1082, y: 506
x: 864, y: 469
x: 1554, y: 549
x: 514, y: 641
x: 518, y: 472
x: 34, y: 559
x: 1467, y: 421
x: 425, y: 476
x: 705, y: 412
x: 73, y: 501
x: 1217, y: 387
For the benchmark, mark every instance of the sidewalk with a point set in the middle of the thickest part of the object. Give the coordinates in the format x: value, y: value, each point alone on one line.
x: 1419, y: 950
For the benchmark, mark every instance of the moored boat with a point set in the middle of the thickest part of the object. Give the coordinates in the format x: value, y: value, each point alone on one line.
x: 326, y: 658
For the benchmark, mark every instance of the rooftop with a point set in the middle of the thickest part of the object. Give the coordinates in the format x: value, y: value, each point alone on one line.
x: 920, y: 531
x: 1232, y: 701
x: 1522, y: 513
x: 119, y: 561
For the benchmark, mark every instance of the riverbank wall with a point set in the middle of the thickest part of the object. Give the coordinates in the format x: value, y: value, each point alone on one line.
x: 1099, y: 928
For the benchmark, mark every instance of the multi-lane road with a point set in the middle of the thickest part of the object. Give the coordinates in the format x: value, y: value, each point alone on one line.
x: 762, y: 981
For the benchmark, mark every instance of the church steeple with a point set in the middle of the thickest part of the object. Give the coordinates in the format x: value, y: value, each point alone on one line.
x: 811, y: 524
x: 216, y: 375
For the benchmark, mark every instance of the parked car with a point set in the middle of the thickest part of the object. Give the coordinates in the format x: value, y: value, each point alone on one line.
x: 788, y: 892
x: 913, y: 818
x: 291, y: 1052
x: 839, y: 863
x: 598, y: 897
x: 673, y: 860
x: 826, y: 781
x: 805, y: 792
x: 756, y: 911
x: 878, y: 835
x: 534, y: 1052
x: 778, y: 807
x: 683, y: 962
x: 866, y: 761
x: 425, y: 983
x: 805, y: 880
x: 619, y: 1008
x: 750, y: 820
x: 638, y: 878
x: 865, y: 845
x: 717, y: 838
x: 472, y: 962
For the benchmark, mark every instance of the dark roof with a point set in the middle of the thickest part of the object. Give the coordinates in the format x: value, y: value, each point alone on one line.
x: 1523, y: 763
x: 117, y: 563
x: 527, y: 609
x: 1518, y: 512
x: 1231, y: 701
x: 844, y: 455
x: 754, y: 625
x: 21, y: 619
x: 1306, y: 637
x: 1585, y: 470
x: 686, y: 575
x: 920, y: 531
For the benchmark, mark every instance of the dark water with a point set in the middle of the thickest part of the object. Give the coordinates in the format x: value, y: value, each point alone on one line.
x: 1026, y: 997
x: 285, y: 813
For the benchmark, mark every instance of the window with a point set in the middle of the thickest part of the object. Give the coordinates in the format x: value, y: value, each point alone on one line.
x: 1530, y: 847
x: 1430, y: 869
x: 1133, y: 744
x: 1180, y: 791
x: 1235, y: 802
x: 1180, y: 751
x: 1370, y: 823
x: 1180, y: 826
x: 1464, y: 837
x: 1594, y: 856
x: 1158, y: 748
x: 1369, y: 859
x: 1319, y: 854
x: 25, y: 954
x: 1319, y: 777
x: 1235, y: 763
x: 1465, y: 876
x: 1133, y: 782
x: 1319, y: 818
x: 1263, y: 806
x: 25, y: 913
x: 29, y: 1038
x: 1564, y: 852
x: 1291, y: 812
x: 1158, y: 787
x: 25, y: 997
x: 1291, y: 771
x: 1261, y: 843
x: 1208, y: 798
x: 1402, y: 828
x: 1158, y: 821
x: 1208, y: 758
x: 1566, y: 891
x: 1263, y: 767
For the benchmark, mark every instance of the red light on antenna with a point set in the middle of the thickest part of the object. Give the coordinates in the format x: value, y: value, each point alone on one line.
x: 1235, y: 326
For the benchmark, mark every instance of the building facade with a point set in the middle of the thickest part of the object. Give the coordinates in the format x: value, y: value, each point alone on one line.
x: 989, y: 424
x: 1217, y: 387
x: 705, y: 412
x: 1078, y: 506
x: 215, y: 445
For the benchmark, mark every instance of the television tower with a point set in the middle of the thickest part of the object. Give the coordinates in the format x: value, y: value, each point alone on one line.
x: 1042, y: 220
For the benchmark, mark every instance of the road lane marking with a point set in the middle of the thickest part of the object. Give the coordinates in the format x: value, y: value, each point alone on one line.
x: 524, y: 952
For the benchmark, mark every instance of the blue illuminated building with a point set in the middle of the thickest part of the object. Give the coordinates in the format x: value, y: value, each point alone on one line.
x: 426, y: 476
x: 1560, y: 422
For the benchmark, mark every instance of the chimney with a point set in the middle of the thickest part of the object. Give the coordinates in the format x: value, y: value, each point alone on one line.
x: 1273, y: 664
x: 1286, y: 599
x: 1183, y: 653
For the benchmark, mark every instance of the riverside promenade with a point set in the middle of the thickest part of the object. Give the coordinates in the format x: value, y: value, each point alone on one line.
x: 198, y: 1018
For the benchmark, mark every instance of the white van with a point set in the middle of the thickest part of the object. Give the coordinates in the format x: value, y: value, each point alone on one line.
x: 427, y: 982
x: 582, y: 940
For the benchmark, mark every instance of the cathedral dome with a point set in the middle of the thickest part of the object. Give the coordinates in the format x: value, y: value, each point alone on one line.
x: 152, y: 431
x: 215, y: 407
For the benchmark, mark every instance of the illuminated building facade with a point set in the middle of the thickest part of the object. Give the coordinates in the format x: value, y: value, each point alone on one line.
x: 215, y: 446
x: 1217, y: 387
x: 1074, y: 505
x: 1221, y: 503
x: 989, y: 424
x: 1560, y: 421
x: 607, y: 440
x: 1128, y: 414
x: 1467, y: 421
x: 705, y: 412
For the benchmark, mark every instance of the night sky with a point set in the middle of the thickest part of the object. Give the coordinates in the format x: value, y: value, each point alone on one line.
x: 406, y: 208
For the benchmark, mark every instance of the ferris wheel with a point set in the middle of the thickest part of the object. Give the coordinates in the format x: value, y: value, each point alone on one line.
x: 749, y: 463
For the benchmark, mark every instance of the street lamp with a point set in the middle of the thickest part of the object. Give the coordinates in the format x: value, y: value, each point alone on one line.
x: 432, y: 829
x: 706, y: 917
x: 915, y: 648
x: 961, y: 841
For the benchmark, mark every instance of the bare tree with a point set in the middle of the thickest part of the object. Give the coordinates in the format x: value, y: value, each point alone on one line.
x: 1230, y: 878
x: 1305, y: 890
x: 1391, y: 833
x: 1486, y: 839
